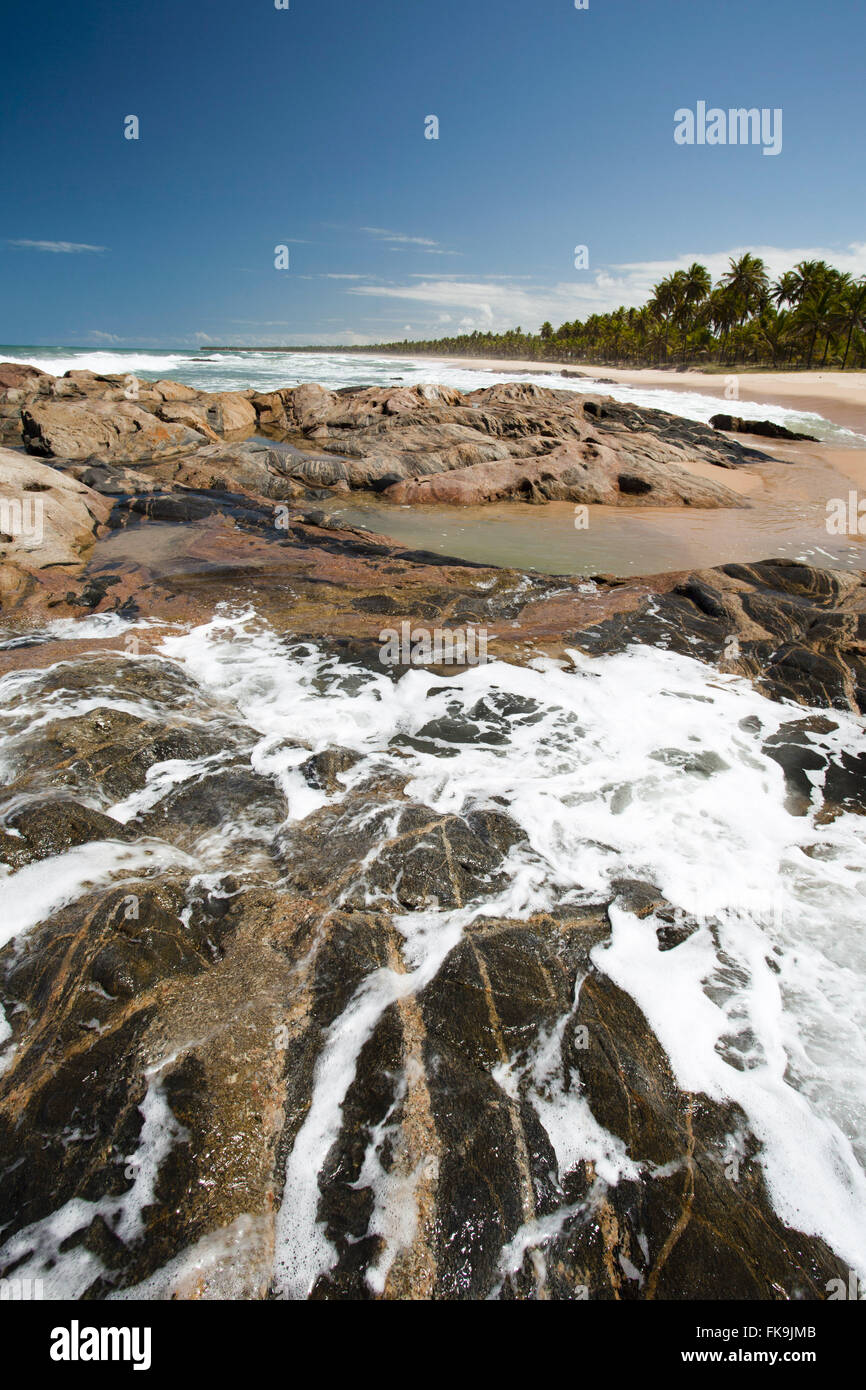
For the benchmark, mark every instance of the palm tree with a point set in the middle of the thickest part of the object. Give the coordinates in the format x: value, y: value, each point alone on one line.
x: 820, y: 312
x: 785, y: 289
x: 722, y: 311
x: 808, y: 277
x: 853, y: 309
x: 696, y: 285
x: 698, y: 282
x: 774, y: 327
x: 748, y: 283
x: 664, y: 305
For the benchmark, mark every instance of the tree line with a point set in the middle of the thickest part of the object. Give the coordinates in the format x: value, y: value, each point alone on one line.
x: 811, y: 316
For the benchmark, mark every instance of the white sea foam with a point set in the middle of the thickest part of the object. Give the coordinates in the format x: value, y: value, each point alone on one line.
x: 35, y: 892
x: 98, y: 625
x: 218, y: 1261
x: 303, y: 1249
x: 161, y: 779
x: 644, y: 765
x: 58, y: 361
x: 44, y: 1249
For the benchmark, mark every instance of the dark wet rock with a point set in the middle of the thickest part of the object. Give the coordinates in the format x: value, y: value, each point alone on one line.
x: 793, y: 750
x: 500, y: 710
x: 453, y: 729
x: 845, y: 783
x: 422, y: 859
x: 384, y: 604
x: 633, y: 486
x: 691, y: 1232
x: 634, y: 895
x: 798, y: 632
x: 108, y: 749
x: 323, y: 770
x: 210, y: 1006
x: 70, y: 1100
x: 694, y: 1224
x: 735, y: 425
x: 96, y: 590
x: 42, y: 828
x: 233, y: 797
x: 673, y: 928
x: 149, y: 679
x: 477, y: 1153
x: 703, y: 764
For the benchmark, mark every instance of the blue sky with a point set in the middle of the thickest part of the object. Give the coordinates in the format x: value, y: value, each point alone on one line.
x: 305, y: 127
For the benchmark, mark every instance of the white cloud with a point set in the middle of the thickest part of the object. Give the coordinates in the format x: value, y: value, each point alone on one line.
x: 66, y: 248
x: 383, y: 234
x: 494, y: 306
x: 642, y: 275
x: 494, y: 303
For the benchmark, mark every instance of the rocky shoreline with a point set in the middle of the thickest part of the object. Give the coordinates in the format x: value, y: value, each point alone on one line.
x: 169, y: 1021
x: 112, y: 450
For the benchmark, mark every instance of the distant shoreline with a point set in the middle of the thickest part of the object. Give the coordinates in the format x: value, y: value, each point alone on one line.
x: 541, y: 364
